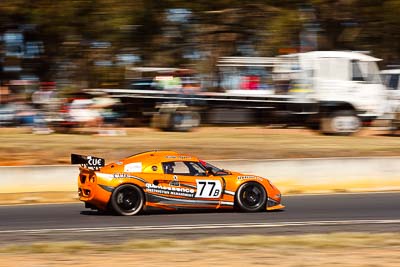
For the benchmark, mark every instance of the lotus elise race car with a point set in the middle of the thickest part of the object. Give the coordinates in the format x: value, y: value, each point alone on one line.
x: 170, y: 181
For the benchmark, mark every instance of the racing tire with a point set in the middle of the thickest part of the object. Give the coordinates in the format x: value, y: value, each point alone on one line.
x: 127, y: 200
x: 251, y: 197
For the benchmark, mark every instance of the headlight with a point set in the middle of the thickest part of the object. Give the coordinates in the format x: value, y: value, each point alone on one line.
x: 273, y: 186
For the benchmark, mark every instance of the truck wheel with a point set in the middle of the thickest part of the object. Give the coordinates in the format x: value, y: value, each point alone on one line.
x: 343, y: 122
x: 127, y: 200
x: 185, y: 121
x: 395, y: 123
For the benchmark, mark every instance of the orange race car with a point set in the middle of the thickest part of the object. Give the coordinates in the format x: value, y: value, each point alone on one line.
x: 171, y: 181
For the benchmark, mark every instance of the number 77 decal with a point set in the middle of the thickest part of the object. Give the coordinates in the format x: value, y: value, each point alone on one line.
x: 208, y: 188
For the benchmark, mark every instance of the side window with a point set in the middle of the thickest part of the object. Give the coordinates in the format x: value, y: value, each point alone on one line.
x: 184, y: 168
x: 356, y: 71
x: 181, y: 168
x: 393, y: 81
x: 177, y: 167
x: 196, y: 169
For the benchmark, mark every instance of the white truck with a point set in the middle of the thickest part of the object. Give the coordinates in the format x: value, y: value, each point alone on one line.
x: 345, y: 86
x: 391, y: 78
x: 333, y: 91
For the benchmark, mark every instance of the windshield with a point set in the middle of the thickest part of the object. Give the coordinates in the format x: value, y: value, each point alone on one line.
x: 366, y: 71
x: 215, y: 170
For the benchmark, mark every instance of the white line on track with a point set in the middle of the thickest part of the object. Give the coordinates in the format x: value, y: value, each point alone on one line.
x: 200, y: 226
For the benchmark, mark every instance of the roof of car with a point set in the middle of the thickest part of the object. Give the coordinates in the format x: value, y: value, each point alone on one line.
x: 161, y: 155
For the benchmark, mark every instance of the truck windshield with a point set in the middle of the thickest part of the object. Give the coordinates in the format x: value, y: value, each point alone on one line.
x: 366, y: 71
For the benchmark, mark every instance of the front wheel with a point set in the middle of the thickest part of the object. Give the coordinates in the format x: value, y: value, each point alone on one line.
x: 251, y: 197
x: 395, y: 123
x: 127, y: 200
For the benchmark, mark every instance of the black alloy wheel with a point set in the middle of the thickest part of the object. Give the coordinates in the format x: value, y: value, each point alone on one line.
x: 127, y: 200
x: 251, y: 197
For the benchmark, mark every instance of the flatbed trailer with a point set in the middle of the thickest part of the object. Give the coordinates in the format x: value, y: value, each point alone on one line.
x: 179, y: 111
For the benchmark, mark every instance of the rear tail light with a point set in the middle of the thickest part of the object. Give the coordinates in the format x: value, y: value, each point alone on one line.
x: 86, y: 192
x: 92, y: 179
x: 87, y: 178
x: 82, y: 177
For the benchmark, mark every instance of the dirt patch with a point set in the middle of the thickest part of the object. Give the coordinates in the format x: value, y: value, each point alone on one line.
x: 340, y: 249
x: 260, y: 257
x: 19, y: 147
x: 38, y: 197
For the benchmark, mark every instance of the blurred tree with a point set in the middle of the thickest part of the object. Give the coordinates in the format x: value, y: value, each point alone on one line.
x: 83, y: 38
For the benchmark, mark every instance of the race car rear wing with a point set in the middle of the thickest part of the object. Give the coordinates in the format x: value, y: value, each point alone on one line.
x: 87, y: 161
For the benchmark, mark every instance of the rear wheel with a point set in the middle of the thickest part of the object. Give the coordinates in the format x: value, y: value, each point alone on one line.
x: 251, y: 197
x: 127, y: 200
x: 342, y: 122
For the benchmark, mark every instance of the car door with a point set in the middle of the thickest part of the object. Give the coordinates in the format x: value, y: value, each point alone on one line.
x: 190, y: 183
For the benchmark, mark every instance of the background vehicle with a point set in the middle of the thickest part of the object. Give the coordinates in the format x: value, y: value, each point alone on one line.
x: 345, y: 86
x: 391, y: 79
x: 333, y: 91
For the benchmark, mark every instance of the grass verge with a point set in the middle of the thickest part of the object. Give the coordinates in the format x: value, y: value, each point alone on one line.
x: 344, y: 241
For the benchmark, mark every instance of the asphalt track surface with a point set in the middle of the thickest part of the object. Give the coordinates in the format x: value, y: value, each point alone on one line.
x: 374, y: 212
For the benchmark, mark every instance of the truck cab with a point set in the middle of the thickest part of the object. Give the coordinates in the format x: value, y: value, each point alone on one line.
x: 391, y: 78
x: 346, y: 85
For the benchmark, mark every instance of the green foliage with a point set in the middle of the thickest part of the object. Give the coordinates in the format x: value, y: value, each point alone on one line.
x: 215, y: 28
